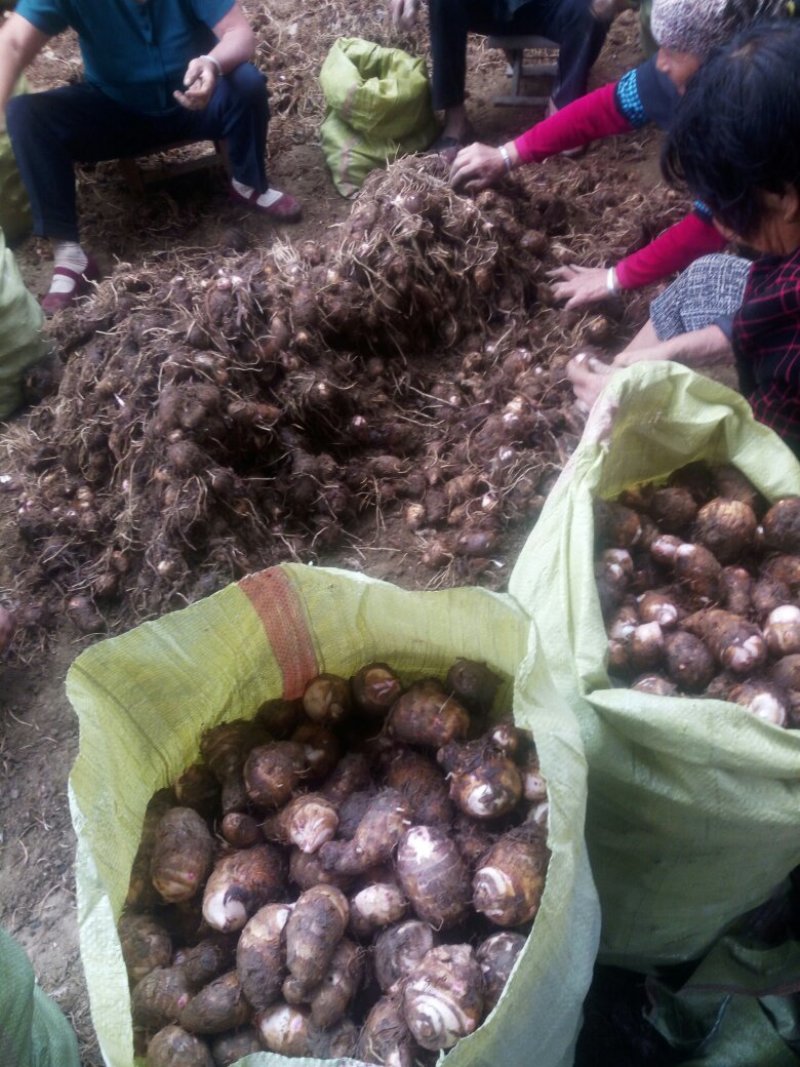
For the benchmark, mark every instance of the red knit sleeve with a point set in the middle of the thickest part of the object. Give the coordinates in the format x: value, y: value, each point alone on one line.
x: 584, y: 120
x: 671, y: 251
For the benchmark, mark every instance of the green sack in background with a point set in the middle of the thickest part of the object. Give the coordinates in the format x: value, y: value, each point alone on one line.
x: 21, y: 341
x: 15, y: 210
x: 693, y: 804
x: 33, y: 1031
x: 144, y: 698
x: 378, y: 107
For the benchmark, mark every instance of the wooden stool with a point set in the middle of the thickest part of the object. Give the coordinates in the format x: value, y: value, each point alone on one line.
x: 138, y: 178
x: 546, y: 67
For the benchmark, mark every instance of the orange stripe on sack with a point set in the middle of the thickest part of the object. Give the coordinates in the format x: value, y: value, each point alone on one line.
x: 284, y: 620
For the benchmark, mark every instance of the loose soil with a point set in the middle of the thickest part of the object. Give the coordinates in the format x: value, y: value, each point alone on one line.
x: 611, y: 200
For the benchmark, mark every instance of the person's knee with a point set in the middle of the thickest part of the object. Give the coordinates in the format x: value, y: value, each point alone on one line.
x: 248, y: 83
x: 18, y: 115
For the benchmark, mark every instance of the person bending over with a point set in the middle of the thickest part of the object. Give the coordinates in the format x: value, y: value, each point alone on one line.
x: 155, y: 72
x: 687, y: 31
x: 735, y: 141
x: 578, y: 26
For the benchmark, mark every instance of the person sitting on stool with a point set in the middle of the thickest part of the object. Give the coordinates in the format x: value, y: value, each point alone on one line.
x: 156, y: 72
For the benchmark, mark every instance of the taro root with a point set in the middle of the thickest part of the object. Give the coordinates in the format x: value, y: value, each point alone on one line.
x: 285, y: 1029
x: 145, y: 945
x: 785, y: 674
x: 659, y: 606
x: 534, y: 783
x: 507, y: 887
x: 621, y: 628
x: 654, y: 684
x: 240, y: 829
x: 381, y: 827
x: 473, y: 839
x: 174, y: 1047
x: 443, y: 999
x: 426, y: 715
x: 646, y: 646
x: 321, y: 749
x: 484, y: 783
x: 737, y: 590
x: 784, y: 569
x: 731, y: 483
x: 511, y: 739
x: 765, y: 701
x: 261, y: 955
x: 313, y: 930
x: 219, y: 1006
x: 160, y: 997
x: 781, y: 526
x: 385, y: 1038
x: 398, y: 951
x: 378, y: 904
x: 334, y: 1042
x: 727, y: 528
x: 420, y: 782
x: 737, y: 645
x: 769, y: 593
x: 352, y: 810
x: 241, y: 883
x: 326, y: 699
x: 782, y: 630
x: 228, y: 1049
x: 279, y: 717
x: 272, y: 772
x: 688, y: 661
x: 198, y: 788
x: 473, y: 684
x: 182, y: 855
x: 496, y: 957
x: 307, y: 822
x: 375, y: 687
x: 673, y: 508
x: 225, y: 747
x: 306, y: 870
x: 615, y: 525
x: 350, y: 774
x: 699, y: 571
x: 433, y: 875
x: 206, y: 960
x: 330, y: 1000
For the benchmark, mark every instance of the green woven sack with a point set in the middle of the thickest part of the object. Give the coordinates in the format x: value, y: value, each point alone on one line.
x: 143, y: 700
x: 378, y: 107
x: 21, y: 341
x: 33, y: 1031
x: 692, y: 815
x: 15, y: 209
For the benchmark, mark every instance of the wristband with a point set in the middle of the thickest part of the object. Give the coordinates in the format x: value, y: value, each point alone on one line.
x: 215, y: 62
x: 611, y: 280
x: 506, y: 157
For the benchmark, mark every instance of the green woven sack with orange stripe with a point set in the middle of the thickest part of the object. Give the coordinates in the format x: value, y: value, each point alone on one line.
x: 143, y: 700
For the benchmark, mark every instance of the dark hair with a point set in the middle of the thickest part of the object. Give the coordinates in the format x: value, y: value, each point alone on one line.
x: 736, y: 131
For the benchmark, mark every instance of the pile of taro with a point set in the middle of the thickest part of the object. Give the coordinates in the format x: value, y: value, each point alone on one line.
x: 248, y: 408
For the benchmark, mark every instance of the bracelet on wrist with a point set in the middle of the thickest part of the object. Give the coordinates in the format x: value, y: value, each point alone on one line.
x: 612, y: 285
x: 504, y: 153
x: 215, y: 63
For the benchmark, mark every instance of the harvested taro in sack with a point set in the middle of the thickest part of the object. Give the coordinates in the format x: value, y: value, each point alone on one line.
x: 692, y: 812
x: 200, y: 689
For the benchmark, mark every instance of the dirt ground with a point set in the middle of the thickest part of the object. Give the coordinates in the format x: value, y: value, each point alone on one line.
x: 38, y: 731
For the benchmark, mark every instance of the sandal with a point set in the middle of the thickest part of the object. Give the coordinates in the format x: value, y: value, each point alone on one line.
x: 82, y: 280
x: 285, y: 209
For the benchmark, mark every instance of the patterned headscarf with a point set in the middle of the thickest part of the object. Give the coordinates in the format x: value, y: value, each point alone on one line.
x: 698, y: 26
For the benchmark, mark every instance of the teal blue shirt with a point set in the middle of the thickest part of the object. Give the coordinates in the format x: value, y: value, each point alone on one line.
x: 136, y: 53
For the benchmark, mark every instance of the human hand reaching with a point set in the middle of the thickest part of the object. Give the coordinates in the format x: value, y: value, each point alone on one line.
x: 477, y: 167
x: 579, y: 286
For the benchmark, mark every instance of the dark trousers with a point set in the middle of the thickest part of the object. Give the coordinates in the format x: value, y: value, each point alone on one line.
x: 568, y: 22
x: 53, y: 130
